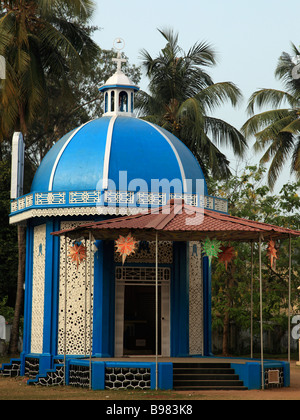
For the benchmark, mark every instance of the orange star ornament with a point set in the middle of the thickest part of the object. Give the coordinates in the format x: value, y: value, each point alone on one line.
x: 272, y: 252
x: 126, y: 246
x: 77, y: 252
x: 227, y: 255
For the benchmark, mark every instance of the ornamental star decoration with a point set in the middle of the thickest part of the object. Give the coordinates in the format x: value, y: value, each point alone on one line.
x: 272, y: 252
x: 77, y: 252
x: 126, y: 246
x: 227, y: 255
x: 211, y: 248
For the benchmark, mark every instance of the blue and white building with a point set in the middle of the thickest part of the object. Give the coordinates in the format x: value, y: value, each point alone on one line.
x: 112, y: 166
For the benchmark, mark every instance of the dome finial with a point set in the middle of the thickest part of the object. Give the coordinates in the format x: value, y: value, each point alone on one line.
x: 119, y: 45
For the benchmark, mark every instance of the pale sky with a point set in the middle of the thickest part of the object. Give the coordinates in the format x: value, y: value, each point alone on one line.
x: 248, y: 36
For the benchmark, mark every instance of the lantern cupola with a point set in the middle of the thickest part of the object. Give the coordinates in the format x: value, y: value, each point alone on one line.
x: 119, y: 92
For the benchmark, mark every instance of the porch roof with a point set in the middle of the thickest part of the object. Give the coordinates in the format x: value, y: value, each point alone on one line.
x: 180, y: 222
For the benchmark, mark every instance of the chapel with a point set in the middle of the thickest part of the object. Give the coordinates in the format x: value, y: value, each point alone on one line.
x: 115, y: 165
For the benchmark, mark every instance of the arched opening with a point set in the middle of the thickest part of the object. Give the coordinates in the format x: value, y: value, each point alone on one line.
x: 112, y: 101
x: 132, y: 96
x: 123, y: 101
x: 106, y: 102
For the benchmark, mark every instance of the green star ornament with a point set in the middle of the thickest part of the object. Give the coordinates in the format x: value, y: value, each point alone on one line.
x: 211, y: 248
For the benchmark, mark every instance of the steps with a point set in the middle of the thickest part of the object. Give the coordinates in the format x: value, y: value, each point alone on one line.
x: 209, y: 376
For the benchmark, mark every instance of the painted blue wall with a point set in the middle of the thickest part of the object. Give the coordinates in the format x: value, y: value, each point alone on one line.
x: 207, y: 307
x: 104, y: 298
x: 179, y: 302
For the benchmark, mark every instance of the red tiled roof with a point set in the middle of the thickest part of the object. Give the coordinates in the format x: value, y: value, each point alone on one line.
x: 181, y: 223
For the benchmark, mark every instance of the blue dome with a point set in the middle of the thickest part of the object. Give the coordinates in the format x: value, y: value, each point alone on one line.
x: 116, y: 151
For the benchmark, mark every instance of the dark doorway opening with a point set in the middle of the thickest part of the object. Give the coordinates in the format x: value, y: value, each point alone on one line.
x: 139, y: 320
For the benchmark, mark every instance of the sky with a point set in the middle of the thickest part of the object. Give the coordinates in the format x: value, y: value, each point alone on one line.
x: 248, y: 37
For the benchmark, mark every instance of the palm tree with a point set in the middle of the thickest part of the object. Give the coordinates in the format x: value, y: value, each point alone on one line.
x: 40, y: 40
x: 182, y: 94
x: 277, y: 131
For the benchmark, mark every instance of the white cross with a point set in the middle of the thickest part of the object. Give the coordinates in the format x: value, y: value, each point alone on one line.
x: 119, y: 62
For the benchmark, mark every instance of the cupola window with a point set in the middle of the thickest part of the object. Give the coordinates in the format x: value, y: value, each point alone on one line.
x: 112, y: 101
x: 132, y: 96
x: 106, y: 102
x: 123, y: 101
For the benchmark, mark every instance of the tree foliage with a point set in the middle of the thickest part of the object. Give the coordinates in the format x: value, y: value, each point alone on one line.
x: 277, y: 131
x: 231, y: 291
x: 183, y: 97
x: 40, y: 39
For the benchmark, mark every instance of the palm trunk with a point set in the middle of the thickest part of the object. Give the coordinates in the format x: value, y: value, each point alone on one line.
x: 14, y: 338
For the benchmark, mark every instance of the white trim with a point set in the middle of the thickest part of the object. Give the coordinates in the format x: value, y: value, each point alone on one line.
x: 60, y: 155
x: 175, y: 153
x: 75, y: 211
x: 107, y: 151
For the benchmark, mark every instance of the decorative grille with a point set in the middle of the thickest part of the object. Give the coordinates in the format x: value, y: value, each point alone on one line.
x: 142, y: 275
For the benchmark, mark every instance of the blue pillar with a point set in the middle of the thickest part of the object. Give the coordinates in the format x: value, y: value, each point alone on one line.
x: 104, y: 297
x: 207, y: 307
x: 179, y: 302
x: 55, y: 288
x: 50, y: 296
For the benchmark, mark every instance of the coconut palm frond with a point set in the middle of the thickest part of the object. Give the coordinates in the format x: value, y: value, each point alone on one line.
x: 272, y: 131
x: 277, y: 130
x: 224, y: 134
x: 295, y: 166
x: 280, y: 150
x: 271, y: 97
x: 259, y: 121
x: 293, y: 127
x: 182, y: 93
x: 40, y: 41
x: 217, y: 94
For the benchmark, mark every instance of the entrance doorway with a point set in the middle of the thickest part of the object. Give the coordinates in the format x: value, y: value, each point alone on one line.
x: 135, y: 311
x: 139, y: 320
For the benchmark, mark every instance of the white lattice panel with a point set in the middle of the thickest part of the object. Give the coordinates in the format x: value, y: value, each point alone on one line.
x: 54, y: 198
x: 38, y: 289
x: 189, y: 199
x: 85, y: 197
x: 195, y: 299
x: 120, y: 197
x: 77, y: 300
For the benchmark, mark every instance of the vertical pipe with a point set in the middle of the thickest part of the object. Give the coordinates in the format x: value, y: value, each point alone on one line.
x: 261, y: 319
x: 65, y: 311
x: 90, y: 286
x: 251, y: 305
x: 156, y: 312
x: 289, y: 302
